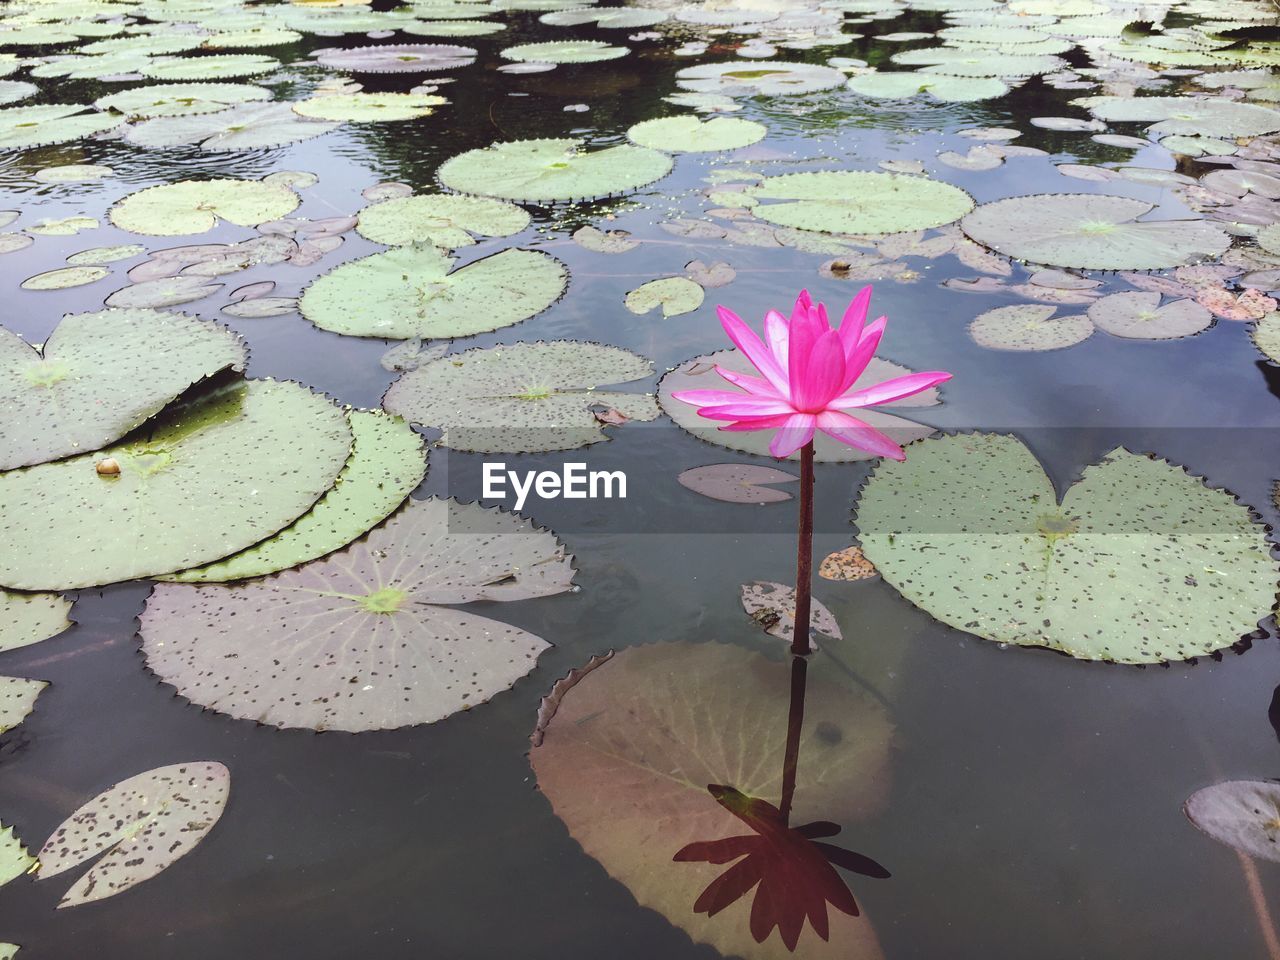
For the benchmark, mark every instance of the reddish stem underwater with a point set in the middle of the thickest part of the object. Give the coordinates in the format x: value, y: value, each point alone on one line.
x: 804, y: 554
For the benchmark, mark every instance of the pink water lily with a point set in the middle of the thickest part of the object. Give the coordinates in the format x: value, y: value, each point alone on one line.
x: 807, y: 372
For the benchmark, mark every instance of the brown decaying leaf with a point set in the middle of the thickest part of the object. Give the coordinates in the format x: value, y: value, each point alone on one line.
x: 549, y: 704
x: 846, y: 564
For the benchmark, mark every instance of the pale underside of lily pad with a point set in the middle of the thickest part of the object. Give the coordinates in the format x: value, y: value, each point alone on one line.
x: 369, y: 638
x: 699, y: 374
x: 846, y: 201
x: 1139, y: 563
x: 1244, y: 814
x: 523, y: 397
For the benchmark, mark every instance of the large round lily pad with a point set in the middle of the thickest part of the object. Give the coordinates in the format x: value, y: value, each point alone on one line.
x: 845, y: 201
x: 688, y: 133
x: 387, y: 462
x: 411, y: 292
x: 979, y: 62
x: 401, y: 58
x: 27, y: 618
x: 544, y: 170
x: 39, y: 126
x: 249, y: 126
x: 1025, y: 327
x: 220, y: 67
x: 368, y: 638
x: 565, y: 51
x: 208, y: 478
x: 1187, y: 116
x: 765, y: 78
x: 625, y: 756
x: 1244, y: 814
x: 444, y: 219
x: 1091, y: 231
x: 1140, y: 563
x: 902, y: 84
x: 98, y: 376
x: 522, y: 398
x: 194, y: 206
x: 1137, y: 314
x: 369, y: 107
x: 699, y: 374
x: 181, y: 99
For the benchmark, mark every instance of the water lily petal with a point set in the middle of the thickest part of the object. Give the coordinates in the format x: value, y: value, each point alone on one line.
x: 746, y: 340
x: 857, y: 434
x: 890, y: 390
x: 754, y: 407
x: 702, y: 398
x: 856, y: 362
x: 794, y: 434
x: 777, y: 333
x: 756, y: 386
x: 823, y: 373
x: 855, y: 319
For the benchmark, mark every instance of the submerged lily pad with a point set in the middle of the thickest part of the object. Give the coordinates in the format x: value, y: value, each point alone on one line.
x: 444, y: 219
x: 100, y: 375
x: 367, y: 639
x: 369, y: 107
x: 143, y: 825
x: 1243, y: 814
x: 522, y: 398
x: 564, y: 51
x: 207, y: 479
x: 195, y: 206
x: 27, y: 618
x: 387, y: 462
x: 676, y: 295
x: 737, y: 482
x: 1090, y: 231
x: 250, y: 126
x: 1187, y: 116
x: 855, y: 202
x: 1140, y: 563
x: 1138, y: 314
x: 625, y: 758
x: 413, y: 291
x: 181, y: 99
x: 39, y: 126
x: 690, y: 134
x: 401, y: 58
x: 1028, y: 327
x: 699, y: 374
x: 544, y: 170
x: 765, y: 78
x: 17, y: 700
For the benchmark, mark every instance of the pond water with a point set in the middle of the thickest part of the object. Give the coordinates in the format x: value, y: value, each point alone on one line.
x: 1025, y: 802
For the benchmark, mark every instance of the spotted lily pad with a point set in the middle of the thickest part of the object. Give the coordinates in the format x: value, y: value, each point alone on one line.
x: 1029, y: 327
x: 1090, y: 231
x: 676, y: 295
x: 699, y: 373
x: 64, y: 277
x: 689, y: 134
x: 14, y: 858
x: 1187, y: 116
x: 444, y: 219
x: 220, y: 67
x: 1138, y: 315
x: 413, y: 291
x: 39, y: 126
x: 565, y: 51
x: 181, y: 99
x: 27, y: 618
x: 765, y: 78
x: 195, y: 206
x: 855, y: 202
x: 100, y: 375
x: 208, y: 478
x: 737, y: 482
x: 544, y: 170
x: 626, y: 756
x: 522, y: 398
x: 387, y: 462
x: 17, y: 700
x: 402, y: 58
x: 249, y: 126
x: 773, y: 607
x: 1244, y: 814
x: 368, y: 638
x: 1140, y: 563
x: 141, y: 826
x: 369, y: 107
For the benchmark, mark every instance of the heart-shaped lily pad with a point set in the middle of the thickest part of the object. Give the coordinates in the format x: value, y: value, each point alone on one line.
x: 444, y: 219
x: 143, y: 825
x: 366, y: 639
x: 195, y: 206
x: 690, y: 134
x: 676, y: 295
x: 98, y: 376
x: 411, y: 292
x: 387, y: 462
x: 1091, y: 231
x: 699, y: 374
x: 181, y: 99
x: 1140, y: 562
x: 1029, y: 327
x: 522, y: 398
x: 1138, y: 314
x: 249, y: 126
x: 1244, y: 814
x: 737, y: 482
x: 17, y: 700
x: 27, y: 618
x: 847, y: 201
x: 208, y: 478
x: 545, y: 170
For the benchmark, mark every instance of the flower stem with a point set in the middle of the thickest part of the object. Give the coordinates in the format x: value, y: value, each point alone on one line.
x: 795, y: 724
x: 804, y: 554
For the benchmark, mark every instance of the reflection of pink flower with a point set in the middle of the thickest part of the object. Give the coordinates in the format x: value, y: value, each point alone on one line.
x: 807, y: 373
x: 793, y: 870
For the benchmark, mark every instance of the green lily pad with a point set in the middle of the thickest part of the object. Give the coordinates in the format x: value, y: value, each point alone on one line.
x: 17, y: 700
x: 27, y: 618
x: 1140, y: 563
x: 1187, y: 116
x: 454, y: 28
x: 73, y: 173
x: 856, y: 202
x: 444, y: 219
x: 564, y: 51
x: 900, y: 85
x: 249, y: 126
x: 208, y: 478
x: 40, y: 126
x: 1266, y: 336
x: 413, y: 291
x: 195, y: 206
x: 387, y: 462
x: 368, y: 638
x: 369, y: 107
x: 1029, y: 327
x: 1138, y: 314
x: 1269, y: 239
x: 978, y: 62
x: 181, y: 99
x: 65, y: 227
x: 64, y: 277
x: 764, y: 78
x: 600, y: 241
x: 699, y: 374
x: 219, y: 67
x: 14, y: 858
x: 1092, y: 232
x: 676, y: 295
x: 144, y: 825
x: 689, y: 134
x: 607, y: 18
x: 545, y: 170
x: 12, y: 91
x: 100, y: 255
x: 100, y: 375
x: 1243, y: 814
x: 401, y: 58
x: 1198, y: 146
x: 523, y: 397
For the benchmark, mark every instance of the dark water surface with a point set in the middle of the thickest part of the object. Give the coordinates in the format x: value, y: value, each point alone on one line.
x: 1034, y: 801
